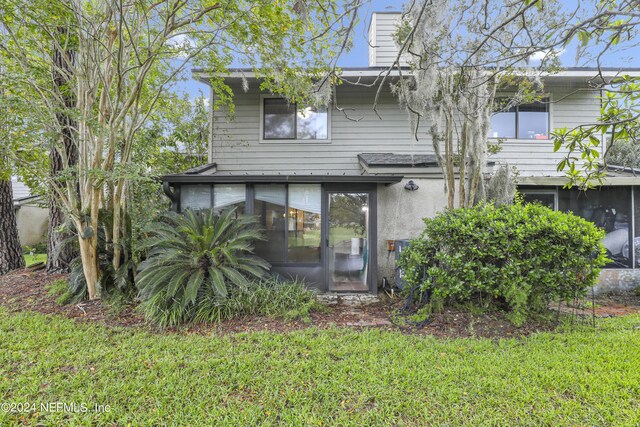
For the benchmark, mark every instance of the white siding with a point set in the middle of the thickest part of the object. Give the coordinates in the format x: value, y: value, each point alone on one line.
x: 20, y: 190
x: 569, y: 108
x: 237, y: 148
x: 383, y: 50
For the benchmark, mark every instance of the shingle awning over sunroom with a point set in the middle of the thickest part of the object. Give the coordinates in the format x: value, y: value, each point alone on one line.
x: 275, y: 179
x: 408, y: 165
x: 204, y: 175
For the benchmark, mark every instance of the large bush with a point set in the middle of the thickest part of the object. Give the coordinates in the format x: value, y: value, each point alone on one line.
x: 519, y: 256
x: 196, y: 259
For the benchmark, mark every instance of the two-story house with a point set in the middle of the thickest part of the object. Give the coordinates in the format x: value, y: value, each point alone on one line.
x: 331, y: 192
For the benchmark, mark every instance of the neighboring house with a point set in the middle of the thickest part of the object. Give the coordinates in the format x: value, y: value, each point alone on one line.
x: 32, y: 215
x: 331, y: 191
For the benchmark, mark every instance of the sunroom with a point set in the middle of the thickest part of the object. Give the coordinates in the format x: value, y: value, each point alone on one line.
x: 320, y: 229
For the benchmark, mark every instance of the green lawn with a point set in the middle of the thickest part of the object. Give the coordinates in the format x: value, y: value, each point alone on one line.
x: 35, y: 258
x: 336, y: 377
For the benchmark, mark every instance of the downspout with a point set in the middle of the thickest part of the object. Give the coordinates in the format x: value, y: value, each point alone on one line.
x: 211, y: 118
x: 603, y: 144
x: 174, y: 196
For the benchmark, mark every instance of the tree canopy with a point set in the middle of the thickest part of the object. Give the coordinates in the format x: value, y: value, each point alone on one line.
x: 105, y: 65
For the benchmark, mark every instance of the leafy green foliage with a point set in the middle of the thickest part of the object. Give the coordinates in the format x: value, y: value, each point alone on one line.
x: 624, y: 153
x: 150, y: 46
x: 618, y: 123
x: 270, y: 297
x: 173, y: 140
x: 194, y: 260
x: 587, y: 376
x: 518, y: 256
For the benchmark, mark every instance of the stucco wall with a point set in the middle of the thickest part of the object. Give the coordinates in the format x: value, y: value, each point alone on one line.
x: 617, y: 280
x: 400, y: 214
x: 32, y: 224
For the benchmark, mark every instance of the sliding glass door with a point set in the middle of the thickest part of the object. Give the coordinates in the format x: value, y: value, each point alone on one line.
x: 348, y: 241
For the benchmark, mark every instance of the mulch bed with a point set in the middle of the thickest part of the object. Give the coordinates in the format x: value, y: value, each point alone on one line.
x: 25, y: 290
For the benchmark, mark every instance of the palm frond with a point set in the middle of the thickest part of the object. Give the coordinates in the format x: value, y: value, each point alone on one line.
x: 195, y: 260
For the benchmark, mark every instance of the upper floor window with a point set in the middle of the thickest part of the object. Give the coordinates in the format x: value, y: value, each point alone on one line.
x: 283, y: 120
x: 526, y: 121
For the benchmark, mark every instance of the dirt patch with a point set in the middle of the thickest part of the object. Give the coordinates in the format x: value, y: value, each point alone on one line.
x: 610, y: 305
x: 26, y: 290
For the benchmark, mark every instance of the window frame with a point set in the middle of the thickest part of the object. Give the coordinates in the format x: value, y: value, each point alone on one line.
x: 553, y: 192
x: 547, y: 100
x: 286, y: 226
x: 181, y: 209
x: 294, y: 140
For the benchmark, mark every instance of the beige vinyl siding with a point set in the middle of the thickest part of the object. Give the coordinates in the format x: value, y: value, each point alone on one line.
x: 238, y: 149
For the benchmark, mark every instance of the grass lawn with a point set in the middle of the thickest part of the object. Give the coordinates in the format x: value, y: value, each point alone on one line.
x: 318, y: 378
x: 35, y: 258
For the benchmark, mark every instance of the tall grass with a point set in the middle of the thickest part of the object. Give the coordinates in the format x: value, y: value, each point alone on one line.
x: 269, y: 297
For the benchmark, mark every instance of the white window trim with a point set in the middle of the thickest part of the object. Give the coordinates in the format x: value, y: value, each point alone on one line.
x: 261, y: 139
x: 520, y: 140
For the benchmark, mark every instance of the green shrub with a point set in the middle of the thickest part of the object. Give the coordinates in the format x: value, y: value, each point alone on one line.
x: 38, y: 248
x: 196, y: 260
x: 270, y: 297
x: 519, y: 257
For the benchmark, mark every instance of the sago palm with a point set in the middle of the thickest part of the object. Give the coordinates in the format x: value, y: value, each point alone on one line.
x: 195, y: 257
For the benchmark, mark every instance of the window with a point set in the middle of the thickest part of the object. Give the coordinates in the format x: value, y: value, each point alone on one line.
x: 269, y: 204
x: 609, y: 209
x: 291, y: 218
x: 304, y: 223
x: 221, y: 197
x: 229, y: 196
x: 195, y: 197
x: 290, y: 215
x: 544, y: 197
x: 526, y: 121
x: 283, y: 120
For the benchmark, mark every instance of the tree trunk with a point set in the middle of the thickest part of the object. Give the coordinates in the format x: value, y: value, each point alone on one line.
x: 10, y: 250
x: 62, y: 74
x: 58, y: 259
x: 88, y: 252
x: 449, y: 153
x: 462, y: 167
x: 88, y: 239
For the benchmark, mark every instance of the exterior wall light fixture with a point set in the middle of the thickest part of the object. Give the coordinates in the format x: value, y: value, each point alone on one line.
x: 411, y: 186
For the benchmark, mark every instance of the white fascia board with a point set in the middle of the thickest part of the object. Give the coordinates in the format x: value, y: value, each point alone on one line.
x: 203, y: 76
x: 566, y: 74
x: 560, y: 181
